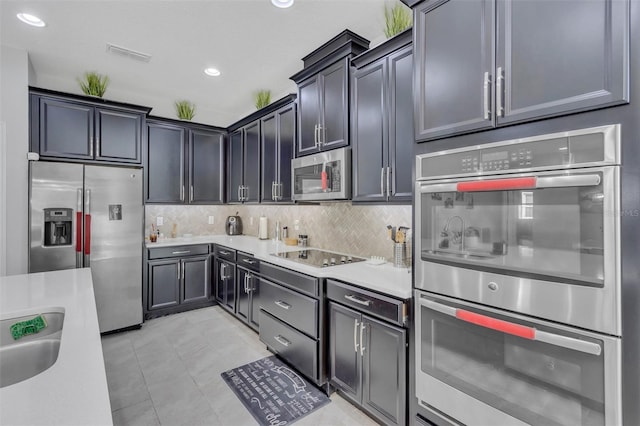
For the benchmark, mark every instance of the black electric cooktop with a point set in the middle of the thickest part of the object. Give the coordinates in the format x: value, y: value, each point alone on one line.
x: 319, y: 258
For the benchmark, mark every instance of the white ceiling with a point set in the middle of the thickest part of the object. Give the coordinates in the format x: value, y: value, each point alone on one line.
x: 254, y: 44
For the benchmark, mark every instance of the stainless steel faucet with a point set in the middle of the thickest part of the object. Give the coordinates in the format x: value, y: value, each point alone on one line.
x: 451, y: 236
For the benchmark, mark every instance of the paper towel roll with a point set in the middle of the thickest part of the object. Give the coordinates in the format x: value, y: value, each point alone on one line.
x: 263, y: 228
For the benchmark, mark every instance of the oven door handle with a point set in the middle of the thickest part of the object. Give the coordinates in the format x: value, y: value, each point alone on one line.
x: 523, y: 182
x: 530, y: 333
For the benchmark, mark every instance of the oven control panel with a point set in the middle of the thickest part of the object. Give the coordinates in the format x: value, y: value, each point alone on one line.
x: 573, y: 149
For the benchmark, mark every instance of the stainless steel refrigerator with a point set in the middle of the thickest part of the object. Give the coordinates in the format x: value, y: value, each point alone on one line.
x: 91, y: 216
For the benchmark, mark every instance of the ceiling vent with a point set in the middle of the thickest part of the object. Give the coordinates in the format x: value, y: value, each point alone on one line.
x: 128, y: 53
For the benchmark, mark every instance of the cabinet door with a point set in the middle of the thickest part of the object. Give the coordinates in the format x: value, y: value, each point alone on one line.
x: 164, y: 283
x: 309, y: 113
x: 560, y: 57
x: 286, y: 146
x: 234, y: 166
x: 206, y: 167
x: 195, y: 279
x: 242, y: 295
x: 118, y: 136
x: 165, y: 164
x: 66, y: 129
x: 226, y: 284
x: 252, y: 163
x: 453, y: 51
x: 344, y: 350
x: 254, y: 304
x: 400, y: 124
x: 218, y: 281
x: 384, y: 371
x: 334, y: 125
x: 370, y: 132
x: 269, y: 158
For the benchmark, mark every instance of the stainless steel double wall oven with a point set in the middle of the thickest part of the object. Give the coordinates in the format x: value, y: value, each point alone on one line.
x: 517, y: 269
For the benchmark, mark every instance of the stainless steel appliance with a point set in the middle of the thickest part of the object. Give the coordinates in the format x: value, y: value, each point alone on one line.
x: 322, y: 176
x: 319, y: 258
x: 91, y: 216
x: 517, y: 280
x: 233, y: 225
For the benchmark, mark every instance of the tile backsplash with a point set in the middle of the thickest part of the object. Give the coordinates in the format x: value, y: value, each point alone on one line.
x: 354, y: 229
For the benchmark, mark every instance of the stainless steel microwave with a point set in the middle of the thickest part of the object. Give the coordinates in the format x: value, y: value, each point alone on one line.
x: 322, y: 176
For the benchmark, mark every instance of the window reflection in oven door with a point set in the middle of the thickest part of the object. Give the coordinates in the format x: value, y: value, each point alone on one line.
x: 483, y: 366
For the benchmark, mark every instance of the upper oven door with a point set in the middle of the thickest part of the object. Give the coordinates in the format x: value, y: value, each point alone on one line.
x: 484, y: 366
x: 550, y: 227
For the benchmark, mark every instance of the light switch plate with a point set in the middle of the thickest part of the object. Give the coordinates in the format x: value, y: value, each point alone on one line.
x: 160, y: 221
x: 211, y: 220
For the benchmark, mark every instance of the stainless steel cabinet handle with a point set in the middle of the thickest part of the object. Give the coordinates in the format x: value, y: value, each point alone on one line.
x: 355, y: 335
x: 179, y: 263
x: 282, y: 304
x: 245, y: 195
x: 357, y: 300
x: 191, y: 193
x: 388, y: 179
x: 487, y: 95
x: 315, y: 135
x: 499, y: 80
x: 91, y: 146
x: 249, y: 261
x: 182, y: 193
x: 223, y: 252
x: 182, y: 268
x: 519, y: 330
x: 181, y: 252
x: 273, y: 191
x: 282, y: 340
x: 222, y: 269
x: 362, y: 325
x: 382, y: 181
x: 239, y: 196
x: 246, y: 283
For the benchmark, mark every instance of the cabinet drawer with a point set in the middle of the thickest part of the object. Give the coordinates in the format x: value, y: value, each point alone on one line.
x: 248, y: 261
x: 298, y: 349
x: 374, y: 304
x: 291, y: 279
x: 289, y: 306
x: 223, y: 252
x: 178, y: 251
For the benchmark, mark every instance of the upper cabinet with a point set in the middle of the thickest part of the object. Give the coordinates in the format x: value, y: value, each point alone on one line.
x: 489, y: 63
x: 278, y: 140
x: 382, y: 122
x: 77, y: 128
x: 244, y: 164
x: 323, y: 94
x: 184, y: 163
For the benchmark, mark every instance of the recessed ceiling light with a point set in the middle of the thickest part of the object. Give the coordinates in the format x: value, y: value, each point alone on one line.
x: 31, y: 19
x: 214, y: 72
x: 282, y: 3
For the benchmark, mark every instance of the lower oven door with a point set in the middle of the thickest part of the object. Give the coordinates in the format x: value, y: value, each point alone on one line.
x: 487, y: 367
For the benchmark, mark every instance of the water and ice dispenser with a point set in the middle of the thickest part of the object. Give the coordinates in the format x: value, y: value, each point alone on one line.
x: 58, y: 227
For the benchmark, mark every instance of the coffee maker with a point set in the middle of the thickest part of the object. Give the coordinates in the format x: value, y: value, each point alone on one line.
x: 233, y: 226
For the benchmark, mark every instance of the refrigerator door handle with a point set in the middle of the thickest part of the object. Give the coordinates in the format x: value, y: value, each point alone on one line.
x: 79, y: 228
x: 87, y: 228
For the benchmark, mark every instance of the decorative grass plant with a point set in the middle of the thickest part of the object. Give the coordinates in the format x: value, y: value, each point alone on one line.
x: 397, y: 19
x: 263, y: 98
x: 185, y: 110
x: 94, y: 84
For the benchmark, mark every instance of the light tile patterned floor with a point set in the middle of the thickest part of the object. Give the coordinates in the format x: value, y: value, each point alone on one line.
x: 168, y: 373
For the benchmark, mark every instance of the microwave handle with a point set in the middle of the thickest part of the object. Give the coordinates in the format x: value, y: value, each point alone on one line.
x: 514, y: 329
x: 509, y: 184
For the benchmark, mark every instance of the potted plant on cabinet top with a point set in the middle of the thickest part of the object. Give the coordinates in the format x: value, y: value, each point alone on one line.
x: 185, y: 110
x: 94, y: 84
x: 262, y: 98
x: 397, y: 19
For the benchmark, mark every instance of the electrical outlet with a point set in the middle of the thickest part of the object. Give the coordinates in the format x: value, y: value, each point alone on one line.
x: 296, y: 224
x: 160, y: 221
x: 210, y: 220
x: 251, y: 220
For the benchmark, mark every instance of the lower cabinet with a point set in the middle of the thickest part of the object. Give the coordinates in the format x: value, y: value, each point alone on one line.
x: 178, y: 279
x: 226, y: 284
x: 248, y: 297
x: 368, y: 360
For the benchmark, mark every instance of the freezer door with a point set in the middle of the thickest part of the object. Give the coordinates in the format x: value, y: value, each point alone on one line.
x: 113, y: 243
x: 54, y: 189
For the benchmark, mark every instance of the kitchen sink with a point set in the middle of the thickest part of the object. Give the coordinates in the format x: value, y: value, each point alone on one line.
x: 31, y: 355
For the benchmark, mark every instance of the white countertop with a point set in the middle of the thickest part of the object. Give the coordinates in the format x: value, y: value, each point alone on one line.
x: 384, y: 278
x: 73, y: 391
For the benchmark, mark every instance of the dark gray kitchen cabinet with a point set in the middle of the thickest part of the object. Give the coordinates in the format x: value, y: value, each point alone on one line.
x: 185, y: 164
x: 368, y: 350
x: 278, y: 142
x: 178, y: 278
x: 490, y: 63
x: 382, y: 122
x: 226, y: 284
x: 79, y: 130
x: 324, y: 109
x: 243, y: 164
x: 248, y: 297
